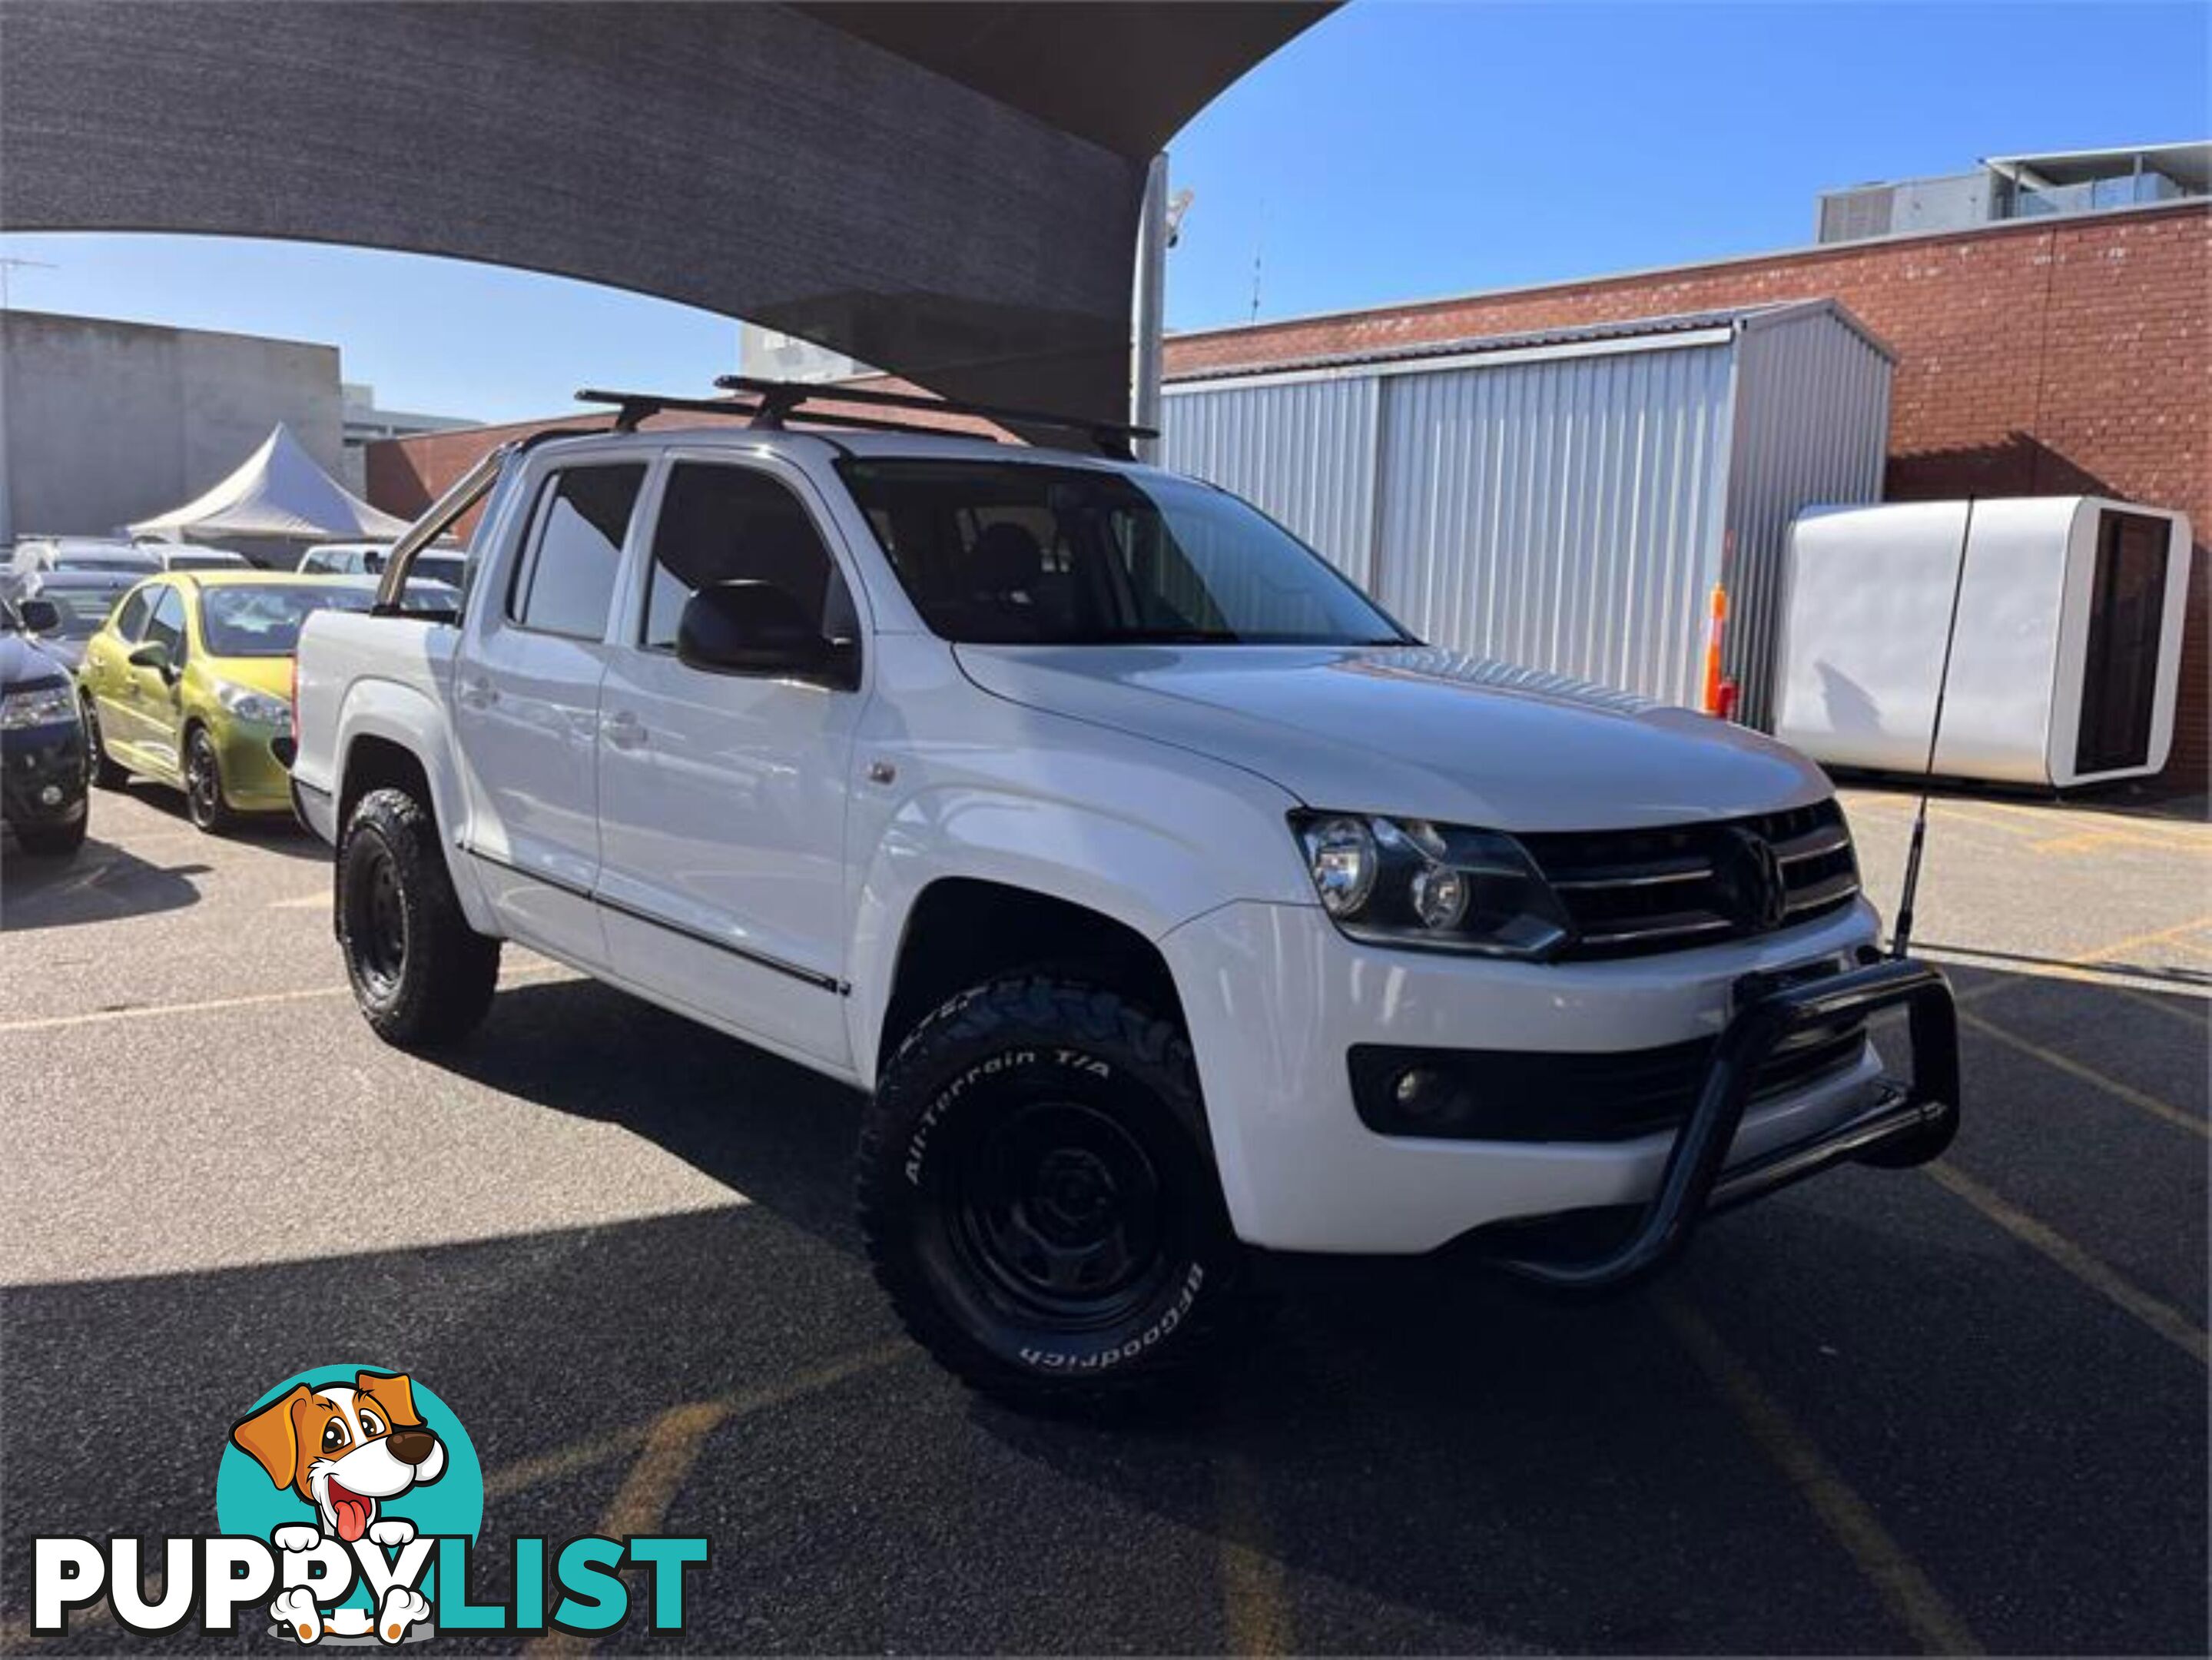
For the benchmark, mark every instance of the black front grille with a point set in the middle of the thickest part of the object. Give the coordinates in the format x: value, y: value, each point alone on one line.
x: 1513, y: 1095
x: 1632, y: 892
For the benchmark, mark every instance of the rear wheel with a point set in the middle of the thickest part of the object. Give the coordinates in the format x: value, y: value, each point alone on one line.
x: 202, y: 769
x: 105, y: 775
x: 421, y: 973
x: 1038, y: 1199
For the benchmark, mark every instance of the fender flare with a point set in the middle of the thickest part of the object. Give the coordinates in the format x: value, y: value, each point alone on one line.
x: 985, y: 835
x: 409, y: 718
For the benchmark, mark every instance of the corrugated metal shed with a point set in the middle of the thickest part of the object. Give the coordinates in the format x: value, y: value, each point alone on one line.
x: 1564, y: 499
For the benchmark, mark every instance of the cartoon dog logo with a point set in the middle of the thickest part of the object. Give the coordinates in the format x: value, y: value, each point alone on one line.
x: 346, y: 1449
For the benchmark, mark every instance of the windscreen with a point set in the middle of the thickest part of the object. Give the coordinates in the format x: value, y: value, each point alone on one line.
x: 1015, y: 553
x: 135, y: 564
x: 82, y: 610
x: 445, y: 567
x: 264, y: 621
x: 202, y: 562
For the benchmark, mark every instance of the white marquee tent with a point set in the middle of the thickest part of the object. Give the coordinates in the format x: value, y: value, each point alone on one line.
x: 279, y: 491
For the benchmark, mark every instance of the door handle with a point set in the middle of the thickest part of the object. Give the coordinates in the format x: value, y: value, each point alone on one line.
x: 624, y: 730
x: 478, y: 691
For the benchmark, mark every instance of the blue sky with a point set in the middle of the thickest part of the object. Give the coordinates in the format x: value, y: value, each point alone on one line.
x: 1396, y: 151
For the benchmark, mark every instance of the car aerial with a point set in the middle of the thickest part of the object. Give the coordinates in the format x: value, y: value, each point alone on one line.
x: 34, y: 554
x: 443, y: 563
x: 42, y: 747
x: 82, y: 600
x: 1171, y: 904
x: 188, y: 681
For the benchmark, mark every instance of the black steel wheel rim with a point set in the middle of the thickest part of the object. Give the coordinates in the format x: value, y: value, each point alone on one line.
x: 203, y: 782
x: 376, y: 919
x: 1061, y: 1216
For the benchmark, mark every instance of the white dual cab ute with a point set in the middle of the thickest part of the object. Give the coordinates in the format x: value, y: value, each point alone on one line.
x: 1171, y: 903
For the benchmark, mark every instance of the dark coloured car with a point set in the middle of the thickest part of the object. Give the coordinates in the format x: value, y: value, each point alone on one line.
x: 83, y: 600
x: 43, y: 779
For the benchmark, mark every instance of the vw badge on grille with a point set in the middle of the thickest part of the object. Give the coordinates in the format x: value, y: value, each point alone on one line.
x: 1751, y: 875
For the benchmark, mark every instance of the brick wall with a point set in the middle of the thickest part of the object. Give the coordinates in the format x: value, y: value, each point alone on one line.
x: 2046, y: 357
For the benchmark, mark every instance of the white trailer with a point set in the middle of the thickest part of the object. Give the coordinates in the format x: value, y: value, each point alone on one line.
x: 2068, y: 651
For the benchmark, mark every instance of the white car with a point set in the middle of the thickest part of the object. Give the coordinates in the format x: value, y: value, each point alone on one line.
x: 1171, y: 904
x: 442, y: 563
x: 190, y: 556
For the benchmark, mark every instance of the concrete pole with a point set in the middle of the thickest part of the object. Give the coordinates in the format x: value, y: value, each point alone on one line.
x: 7, y: 451
x: 1148, y: 308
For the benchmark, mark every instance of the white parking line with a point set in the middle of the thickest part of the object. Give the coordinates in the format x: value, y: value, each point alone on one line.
x: 251, y: 999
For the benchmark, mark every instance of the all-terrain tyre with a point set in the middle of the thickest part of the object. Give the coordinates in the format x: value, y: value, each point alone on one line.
x: 421, y: 973
x: 1039, y: 1198
x: 105, y: 775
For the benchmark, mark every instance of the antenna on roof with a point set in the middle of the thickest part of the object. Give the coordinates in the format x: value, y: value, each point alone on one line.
x: 1902, y: 937
x: 1259, y: 252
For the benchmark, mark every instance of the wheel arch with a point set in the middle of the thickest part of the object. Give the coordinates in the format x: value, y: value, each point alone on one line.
x: 962, y: 931
x: 392, y: 737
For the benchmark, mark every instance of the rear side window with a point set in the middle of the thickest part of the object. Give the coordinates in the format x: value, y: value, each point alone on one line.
x: 130, y: 618
x: 731, y: 524
x: 567, y: 577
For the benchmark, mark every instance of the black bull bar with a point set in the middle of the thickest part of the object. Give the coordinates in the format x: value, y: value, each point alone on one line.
x: 1910, y: 1121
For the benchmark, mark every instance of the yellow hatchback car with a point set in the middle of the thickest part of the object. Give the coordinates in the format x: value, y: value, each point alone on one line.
x: 189, y: 682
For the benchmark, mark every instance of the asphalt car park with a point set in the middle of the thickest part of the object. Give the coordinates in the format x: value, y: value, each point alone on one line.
x: 1938, y: 1410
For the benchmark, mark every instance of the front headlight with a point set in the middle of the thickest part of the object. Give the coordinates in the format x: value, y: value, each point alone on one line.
x: 38, y: 706
x: 256, y: 708
x: 1408, y: 882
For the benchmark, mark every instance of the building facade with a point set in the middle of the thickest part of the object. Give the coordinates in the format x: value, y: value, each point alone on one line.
x: 2064, y: 355
x: 102, y: 422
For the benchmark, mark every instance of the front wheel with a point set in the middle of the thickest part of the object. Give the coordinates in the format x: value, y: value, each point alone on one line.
x: 204, y: 798
x: 1038, y: 1199
x: 420, y: 973
x: 54, y: 841
x: 105, y: 775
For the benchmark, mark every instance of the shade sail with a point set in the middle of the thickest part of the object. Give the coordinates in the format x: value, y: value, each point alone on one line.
x: 949, y: 191
x: 279, y: 490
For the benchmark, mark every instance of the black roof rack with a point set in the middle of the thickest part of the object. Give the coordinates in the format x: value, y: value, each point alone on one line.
x: 770, y: 404
x: 632, y: 407
x: 780, y: 399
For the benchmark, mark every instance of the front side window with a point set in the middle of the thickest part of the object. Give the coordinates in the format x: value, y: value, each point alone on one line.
x: 166, y: 628
x: 1007, y: 552
x: 732, y: 524
x: 567, y: 577
x: 131, y: 617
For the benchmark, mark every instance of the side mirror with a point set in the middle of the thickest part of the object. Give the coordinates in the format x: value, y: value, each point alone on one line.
x: 151, y: 655
x: 41, y: 615
x: 758, y: 629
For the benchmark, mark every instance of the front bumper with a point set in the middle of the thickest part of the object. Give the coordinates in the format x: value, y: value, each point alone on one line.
x: 39, y: 761
x: 1276, y: 999
x: 254, y: 778
x: 1910, y: 1121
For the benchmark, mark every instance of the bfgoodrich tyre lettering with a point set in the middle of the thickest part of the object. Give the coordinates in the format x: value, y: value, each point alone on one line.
x: 1038, y: 1197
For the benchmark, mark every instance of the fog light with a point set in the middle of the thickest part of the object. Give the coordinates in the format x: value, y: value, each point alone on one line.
x: 50, y: 796
x: 1426, y: 1096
